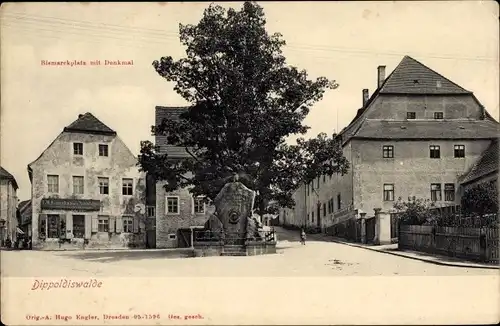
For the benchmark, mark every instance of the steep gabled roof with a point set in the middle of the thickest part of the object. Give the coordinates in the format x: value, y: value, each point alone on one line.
x: 486, y: 164
x: 88, y: 123
x: 402, y: 81
x: 413, y: 77
x: 173, y: 113
x: 5, y: 175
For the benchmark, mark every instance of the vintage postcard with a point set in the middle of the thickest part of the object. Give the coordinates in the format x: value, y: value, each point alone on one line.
x: 257, y: 163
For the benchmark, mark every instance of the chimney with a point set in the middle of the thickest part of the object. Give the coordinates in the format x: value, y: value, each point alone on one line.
x: 366, y: 96
x: 381, y: 75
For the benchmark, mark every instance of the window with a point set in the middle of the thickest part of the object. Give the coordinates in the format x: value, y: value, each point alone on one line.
x: 78, y: 226
x: 172, y: 236
x: 53, y: 183
x: 411, y: 115
x: 312, y: 216
x: 434, y: 151
x: 103, y: 186
x: 103, y: 150
x: 388, y: 192
x: 460, y: 151
x: 435, y: 192
x: 128, y: 224
x: 78, y: 187
x: 438, y: 115
x: 172, y: 205
x: 127, y: 186
x: 103, y: 224
x: 324, y: 178
x: 388, y: 151
x: 339, y: 203
x: 199, y: 205
x: 78, y: 148
x: 324, y: 209
x: 318, y: 183
x: 449, y: 191
x: 53, y: 226
x: 151, y: 211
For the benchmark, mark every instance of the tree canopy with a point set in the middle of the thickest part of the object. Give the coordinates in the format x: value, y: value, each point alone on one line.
x: 245, y: 102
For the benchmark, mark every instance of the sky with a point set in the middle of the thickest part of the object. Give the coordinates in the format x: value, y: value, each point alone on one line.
x: 343, y: 41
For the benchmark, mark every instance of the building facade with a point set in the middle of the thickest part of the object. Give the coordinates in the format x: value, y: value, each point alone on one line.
x: 413, y: 138
x: 8, y: 206
x: 87, y: 191
x: 177, y: 213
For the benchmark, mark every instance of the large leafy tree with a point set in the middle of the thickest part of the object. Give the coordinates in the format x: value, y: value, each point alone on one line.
x: 245, y: 103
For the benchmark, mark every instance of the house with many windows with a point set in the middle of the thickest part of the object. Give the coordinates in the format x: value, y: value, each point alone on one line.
x: 87, y: 191
x: 177, y: 213
x: 414, y: 137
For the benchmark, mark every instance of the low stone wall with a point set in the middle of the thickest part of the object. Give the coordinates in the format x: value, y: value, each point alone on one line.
x: 207, y: 248
x: 256, y: 248
x: 252, y: 248
x: 100, y: 240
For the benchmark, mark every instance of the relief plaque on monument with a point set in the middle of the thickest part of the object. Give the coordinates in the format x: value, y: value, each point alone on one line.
x: 234, y: 205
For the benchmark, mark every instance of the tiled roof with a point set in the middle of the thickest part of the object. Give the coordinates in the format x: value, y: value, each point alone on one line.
x: 428, y: 129
x: 486, y: 164
x: 412, y: 77
x: 25, y: 209
x: 88, y: 123
x: 5, y: 175
x: 163, y: 112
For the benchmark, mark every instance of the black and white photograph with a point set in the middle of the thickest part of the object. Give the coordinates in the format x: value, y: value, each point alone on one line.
x: 257, y: 163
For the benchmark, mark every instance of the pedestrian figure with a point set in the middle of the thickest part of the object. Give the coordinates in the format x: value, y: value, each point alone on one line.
x: 302, y: 237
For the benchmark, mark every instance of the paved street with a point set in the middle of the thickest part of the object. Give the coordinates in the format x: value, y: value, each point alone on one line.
x: 316, y: 258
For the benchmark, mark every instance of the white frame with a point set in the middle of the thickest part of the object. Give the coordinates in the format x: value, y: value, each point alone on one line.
x: 73, y: 149
x: 121, y: 191
x: 193, y: 205
x: 58, y: 183
x: 172, y: 236
x: 102, y: 217
x: 178, y: 205
x: 73, y: 184
x: 128, y: 218
x: 99, y: 185
x: 109, y: 151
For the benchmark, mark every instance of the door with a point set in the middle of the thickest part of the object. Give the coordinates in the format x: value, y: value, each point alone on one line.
x: 370, y: 230
x: 151, y: 233
x: 318, y: 220
x: 184, y: 238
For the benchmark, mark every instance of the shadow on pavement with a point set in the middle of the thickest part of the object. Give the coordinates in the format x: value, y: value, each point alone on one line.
x: 437, y: 257
x: 113, y: 256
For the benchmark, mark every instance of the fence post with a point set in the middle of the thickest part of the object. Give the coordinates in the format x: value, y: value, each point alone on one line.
x: 483, y: 244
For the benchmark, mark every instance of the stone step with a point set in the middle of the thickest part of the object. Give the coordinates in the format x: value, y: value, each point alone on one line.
x: 239, y: 253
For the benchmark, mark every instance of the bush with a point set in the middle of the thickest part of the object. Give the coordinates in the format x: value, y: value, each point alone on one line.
x: 415, y: 211
x: 481, y: 199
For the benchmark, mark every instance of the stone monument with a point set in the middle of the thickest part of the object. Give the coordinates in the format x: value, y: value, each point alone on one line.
x: 233, y: 225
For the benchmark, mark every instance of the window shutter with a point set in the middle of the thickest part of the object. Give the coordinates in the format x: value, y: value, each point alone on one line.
x: 119, y: 224
x: 88, y: 226
x: 136, y: 224
x: 95, y: 224
x: 112, y: 224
